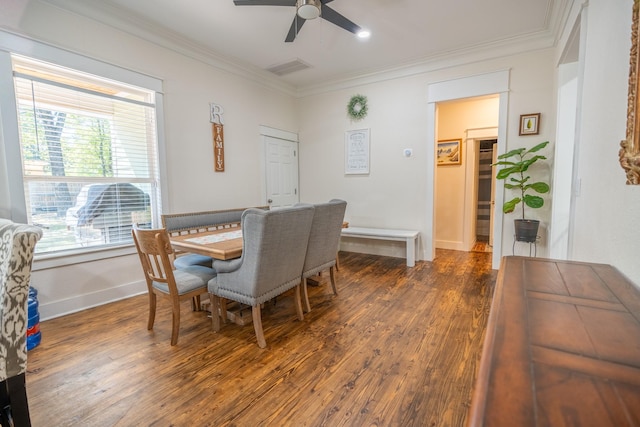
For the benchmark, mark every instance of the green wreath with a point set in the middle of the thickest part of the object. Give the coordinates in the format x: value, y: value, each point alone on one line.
x: 357, y: 107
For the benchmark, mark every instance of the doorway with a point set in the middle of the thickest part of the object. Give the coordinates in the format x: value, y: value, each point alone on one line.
x: 472, y: 120
x: 495, y: 83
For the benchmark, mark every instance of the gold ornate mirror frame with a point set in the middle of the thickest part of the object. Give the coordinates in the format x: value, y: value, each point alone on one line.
x: 630, y: 147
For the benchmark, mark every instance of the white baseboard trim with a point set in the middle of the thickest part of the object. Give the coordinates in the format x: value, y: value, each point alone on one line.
x: 448, y: 244
x: 82, y: 302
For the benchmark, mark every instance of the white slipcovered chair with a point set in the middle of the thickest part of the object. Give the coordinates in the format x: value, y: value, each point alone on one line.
x: 17, y: 244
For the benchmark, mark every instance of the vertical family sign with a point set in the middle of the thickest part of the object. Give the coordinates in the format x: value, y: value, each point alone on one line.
x: 218, y: 136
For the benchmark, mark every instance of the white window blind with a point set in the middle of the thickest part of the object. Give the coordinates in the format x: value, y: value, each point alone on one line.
x: 89, y: 155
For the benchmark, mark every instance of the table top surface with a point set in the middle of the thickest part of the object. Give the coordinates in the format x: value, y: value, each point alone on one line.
x: 219, y: 244
x: 562, y: 347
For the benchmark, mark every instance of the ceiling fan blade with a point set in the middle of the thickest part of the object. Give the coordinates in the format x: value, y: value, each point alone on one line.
x: 295, y: 28
x: 339, y: 20
x: 264, y: 2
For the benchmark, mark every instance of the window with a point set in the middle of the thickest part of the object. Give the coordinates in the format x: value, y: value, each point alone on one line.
x: 89, y: 155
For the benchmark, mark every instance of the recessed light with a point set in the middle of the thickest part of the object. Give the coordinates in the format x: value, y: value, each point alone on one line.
x: 364, y: 34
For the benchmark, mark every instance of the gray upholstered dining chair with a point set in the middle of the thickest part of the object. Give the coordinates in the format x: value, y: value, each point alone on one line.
x: 17, y: 245
x: 274, y: 247
x: 156, y: 257
x: 324, y: 242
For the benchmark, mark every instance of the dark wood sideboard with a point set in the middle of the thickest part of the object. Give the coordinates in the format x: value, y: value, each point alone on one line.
x: 562, y: 347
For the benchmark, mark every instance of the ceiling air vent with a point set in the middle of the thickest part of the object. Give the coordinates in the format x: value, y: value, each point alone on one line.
x: 288, y: 67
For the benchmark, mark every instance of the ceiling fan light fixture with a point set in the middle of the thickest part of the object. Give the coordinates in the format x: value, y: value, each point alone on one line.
x: 308, y: 9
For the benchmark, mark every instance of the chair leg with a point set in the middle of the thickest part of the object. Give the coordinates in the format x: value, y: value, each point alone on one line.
x: 333, y: 280
x: 257, y: 325
x: 175, y: 324
x: 215, y: 310
x: 305, y: 294
x: 223, y: 309
x: 152, y: 310
x: 5, y: 416
x: 5, y: 405
x: 18, y: 396
x: 298, y: 304
x: 195, y: 303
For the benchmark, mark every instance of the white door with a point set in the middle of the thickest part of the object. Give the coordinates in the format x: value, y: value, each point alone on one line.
x: 282, y: 171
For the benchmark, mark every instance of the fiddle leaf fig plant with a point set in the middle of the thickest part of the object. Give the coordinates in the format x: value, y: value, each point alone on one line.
x: 516, y: 163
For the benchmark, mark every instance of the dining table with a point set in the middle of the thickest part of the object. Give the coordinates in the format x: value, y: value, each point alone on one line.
x: 221, y: 244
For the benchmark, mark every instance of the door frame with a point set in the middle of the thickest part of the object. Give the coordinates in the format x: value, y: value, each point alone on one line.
x: 495, y: 83
x: 266, y: 131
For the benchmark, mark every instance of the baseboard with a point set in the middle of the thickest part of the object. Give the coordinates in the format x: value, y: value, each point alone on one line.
x: 448, y: 244
x: 82, y: 302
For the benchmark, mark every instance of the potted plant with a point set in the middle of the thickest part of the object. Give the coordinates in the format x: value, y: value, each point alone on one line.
x: 516, y: 163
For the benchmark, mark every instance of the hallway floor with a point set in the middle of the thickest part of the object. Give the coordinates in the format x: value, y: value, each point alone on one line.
x: 482, y: 247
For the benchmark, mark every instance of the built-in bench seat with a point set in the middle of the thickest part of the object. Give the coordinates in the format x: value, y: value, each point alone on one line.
x: 410, y: 237
x: 194, y: 222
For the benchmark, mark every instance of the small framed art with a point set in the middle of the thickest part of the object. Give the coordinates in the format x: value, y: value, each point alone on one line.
x: 529, y: 124
x: 449, y: 152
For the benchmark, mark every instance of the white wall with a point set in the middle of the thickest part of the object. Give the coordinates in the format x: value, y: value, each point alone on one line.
x: 563, y: 175
x: 394, y: 194
x: 607, y: 212
x: 189, y: 86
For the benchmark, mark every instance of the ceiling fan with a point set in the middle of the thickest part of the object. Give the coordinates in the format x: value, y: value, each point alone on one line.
x: 305, y: 10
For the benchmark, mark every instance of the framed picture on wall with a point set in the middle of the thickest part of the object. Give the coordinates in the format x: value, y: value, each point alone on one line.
x: 529, y: 124
x: 449, y: 152
x: 356, y: 152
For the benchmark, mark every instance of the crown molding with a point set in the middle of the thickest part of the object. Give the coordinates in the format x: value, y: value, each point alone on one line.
x: 455, y: 58
x: 558, y: 14
x: 117, y: 18
x: 113, y: 16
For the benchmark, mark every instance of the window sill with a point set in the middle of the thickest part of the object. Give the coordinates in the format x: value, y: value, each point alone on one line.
x: 61, y: 259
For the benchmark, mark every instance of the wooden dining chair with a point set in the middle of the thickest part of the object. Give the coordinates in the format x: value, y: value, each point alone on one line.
x: 156, y: 257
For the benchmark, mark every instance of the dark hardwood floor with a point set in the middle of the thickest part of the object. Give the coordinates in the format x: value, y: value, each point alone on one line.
x: 398, y: 346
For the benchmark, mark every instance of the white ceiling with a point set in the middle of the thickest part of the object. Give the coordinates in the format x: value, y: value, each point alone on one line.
x: 404, y: 32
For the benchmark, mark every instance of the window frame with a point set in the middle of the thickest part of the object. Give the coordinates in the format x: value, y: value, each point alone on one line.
x: 13, y: 205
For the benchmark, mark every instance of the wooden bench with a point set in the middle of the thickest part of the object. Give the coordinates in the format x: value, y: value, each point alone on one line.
x: 562, y: 347
x: 410, y: 237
